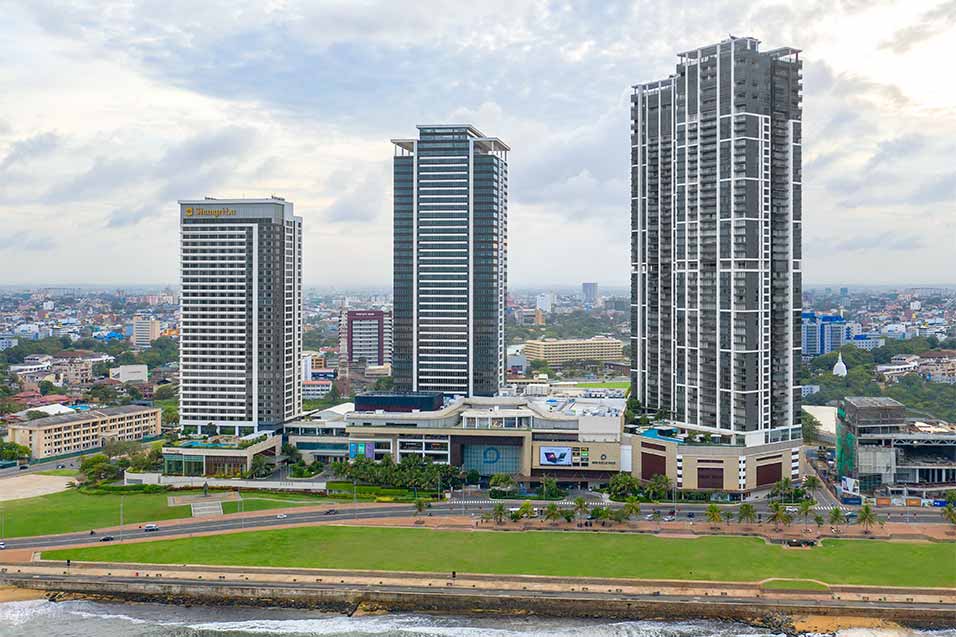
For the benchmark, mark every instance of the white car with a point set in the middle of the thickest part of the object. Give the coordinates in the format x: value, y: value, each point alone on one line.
x: 3, y: 545
x: 281, y: 516
x: 792, y: 510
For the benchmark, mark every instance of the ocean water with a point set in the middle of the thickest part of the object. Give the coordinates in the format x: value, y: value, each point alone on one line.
x: 41, y: 618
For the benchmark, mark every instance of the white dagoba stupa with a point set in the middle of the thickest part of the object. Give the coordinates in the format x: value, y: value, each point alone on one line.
x: 840, y: 368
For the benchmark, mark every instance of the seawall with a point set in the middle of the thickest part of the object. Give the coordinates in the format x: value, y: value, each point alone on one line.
x: 777, y: 613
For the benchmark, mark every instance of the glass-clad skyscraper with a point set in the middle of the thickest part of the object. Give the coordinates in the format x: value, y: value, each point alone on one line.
x: 450, y: 261
x: 716, y: 242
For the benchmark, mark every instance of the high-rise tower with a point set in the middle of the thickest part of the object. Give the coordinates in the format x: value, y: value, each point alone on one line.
x: 241, y: 328
x: 716, y: 242
x: 450, y: 261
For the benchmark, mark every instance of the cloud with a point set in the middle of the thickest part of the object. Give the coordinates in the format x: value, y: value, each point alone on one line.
x: 26, y: 149
x: 27, y: 241
x: 931, y: 24
x: 884, y: 241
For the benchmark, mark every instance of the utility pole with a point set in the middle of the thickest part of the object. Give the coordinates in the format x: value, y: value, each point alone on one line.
x: 354, y: 500
x: 122, y: 500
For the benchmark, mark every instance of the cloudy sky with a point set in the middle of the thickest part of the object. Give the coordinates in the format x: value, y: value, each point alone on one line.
x: 109, y: 113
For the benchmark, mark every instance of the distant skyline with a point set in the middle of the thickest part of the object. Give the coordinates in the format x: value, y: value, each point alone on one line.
x: 121, y: 109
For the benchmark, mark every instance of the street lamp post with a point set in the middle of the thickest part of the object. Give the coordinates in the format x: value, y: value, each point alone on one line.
x: 354, y: 500
x: 122, y: 500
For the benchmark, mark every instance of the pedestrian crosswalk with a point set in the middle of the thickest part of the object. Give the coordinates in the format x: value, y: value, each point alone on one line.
x: 830, y: 507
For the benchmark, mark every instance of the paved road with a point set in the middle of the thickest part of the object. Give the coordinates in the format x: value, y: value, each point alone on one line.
x: 685, y: 511
x: 70, y: 463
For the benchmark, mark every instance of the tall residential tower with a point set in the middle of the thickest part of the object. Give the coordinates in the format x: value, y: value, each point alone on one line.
x: 450, y: 261
x: 241, y: 328
x: 716, y: 242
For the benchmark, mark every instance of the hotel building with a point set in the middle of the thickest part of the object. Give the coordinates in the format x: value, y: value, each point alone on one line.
x: 450, y: 261
x: 241, y: 327
x: 84, y: 431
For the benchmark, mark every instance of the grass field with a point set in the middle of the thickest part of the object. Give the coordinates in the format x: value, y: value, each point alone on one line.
x: 550, y: 553
x: 614, y: 385
x: 62, y: 473
x: 793, y: 585
x: 73, y: 511
x: 266, y: 501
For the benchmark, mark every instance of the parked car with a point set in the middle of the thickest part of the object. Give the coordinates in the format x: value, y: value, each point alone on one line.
x: 106, y: 538
x: 149, y: 528
x: 669, y: 518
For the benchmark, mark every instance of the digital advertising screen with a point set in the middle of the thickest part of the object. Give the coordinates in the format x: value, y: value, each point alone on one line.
x: 555, y: 456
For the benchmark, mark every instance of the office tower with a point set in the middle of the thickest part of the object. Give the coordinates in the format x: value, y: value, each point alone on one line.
x: 365, y: 335
x: 590, y: 293
x: 822, y: 333
x: 545, y: 302
x: 716, y: 242
x: 450, y: 261
x: 241, y: 328
x: 145, y: 331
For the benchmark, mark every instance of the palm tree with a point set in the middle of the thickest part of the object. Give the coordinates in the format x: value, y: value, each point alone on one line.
x: 811, y: 484
x: 552, y: 513
x: 784, y: 488
x: 806, y: 508
x: 714, y: 515
x: 632, y: 507
x: 747, y: 513
x: 818, y: 520
x: 499, y: 513
x: 867, y: 517
x: 778, y: 515
x: 580, y: 506
x: 419, y: 506
x: 659, y: 486
x: 949, y: 514
x: 526, y: 510
x: 837, y: 517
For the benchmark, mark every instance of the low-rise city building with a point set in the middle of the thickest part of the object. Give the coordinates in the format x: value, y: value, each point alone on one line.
x: 223, y: 456
x: 557, y: 352
x: 85, y: 431
x: 130, y: 373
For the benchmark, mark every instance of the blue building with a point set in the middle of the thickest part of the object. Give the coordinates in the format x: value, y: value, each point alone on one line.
x: 822, y: 333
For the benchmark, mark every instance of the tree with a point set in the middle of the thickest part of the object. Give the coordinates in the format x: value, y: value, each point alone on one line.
x: 949, y: 514
x: 499, y: 512
x: 539, y: 366
x: 165, y: 392
x: 502, y: 481
x: 600, y: 513
x: 133, y: 391
x: 36, y: 414
x: 13, y: 451
x: 472, y: 477
x: 837, y: 517
x: 526, y: 510
x: 784, y: 489
x: 818, y: 520
x: 778, y: 515
x: 810, y: 427
x: 632, y: 507
x: 659, y: 486
x: 419, y: 506
x: 747, y: 513
x: 806, y: 508
x: 260, y: 466
x: 867, y: 517
x: 292, y: 454
x: 714, y: 515
x: 951, y: 497
x: 622, y: 485
x: 549, y: 489
x: 552, y: 513
x: 580, y: 506
x: 47, y: 388
x: 810, y: 484
x: 114, y: 447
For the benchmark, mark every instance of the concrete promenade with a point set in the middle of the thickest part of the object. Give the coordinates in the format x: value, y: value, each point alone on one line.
x: 345, y: 591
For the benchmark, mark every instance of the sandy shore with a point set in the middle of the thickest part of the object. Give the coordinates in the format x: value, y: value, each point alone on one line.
x: 11, y: 594
x: 832, y: 623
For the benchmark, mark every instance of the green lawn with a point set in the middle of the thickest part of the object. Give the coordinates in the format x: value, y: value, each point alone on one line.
x: 63, y: 473
x: 73, y: 511
x: 793, y: 585
x: 614, y: 385
x: 550, y: 553
x: 268, y: 501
